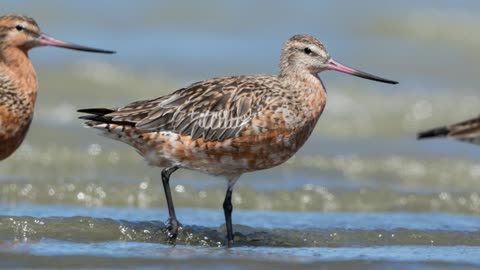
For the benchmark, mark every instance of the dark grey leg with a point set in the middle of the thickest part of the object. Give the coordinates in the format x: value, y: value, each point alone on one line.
x: 227, y: 209
x: 172, y: 224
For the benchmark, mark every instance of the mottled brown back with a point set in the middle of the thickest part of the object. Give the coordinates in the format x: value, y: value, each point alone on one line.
x: 215, y: 109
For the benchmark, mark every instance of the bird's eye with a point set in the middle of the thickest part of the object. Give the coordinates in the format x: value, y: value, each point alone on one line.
x: 307, y: 51
x: 20, y: 28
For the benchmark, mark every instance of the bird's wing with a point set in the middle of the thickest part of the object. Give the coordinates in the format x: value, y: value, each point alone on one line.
x: 215, y: 109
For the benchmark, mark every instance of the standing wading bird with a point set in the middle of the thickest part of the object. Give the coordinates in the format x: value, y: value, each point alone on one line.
x: 231, y: 125
x: 18, y: 81
x: 467, y: 131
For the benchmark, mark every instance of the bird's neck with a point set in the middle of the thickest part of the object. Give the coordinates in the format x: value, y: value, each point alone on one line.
x: 308, y: 92
x: 17, y: 71
x: 306, y: 84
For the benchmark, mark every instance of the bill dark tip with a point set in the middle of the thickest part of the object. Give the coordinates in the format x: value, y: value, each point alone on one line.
x: 368, y: 76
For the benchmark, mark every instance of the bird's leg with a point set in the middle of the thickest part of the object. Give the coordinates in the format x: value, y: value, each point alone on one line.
x: 172, y: 224
x: 228, y: 208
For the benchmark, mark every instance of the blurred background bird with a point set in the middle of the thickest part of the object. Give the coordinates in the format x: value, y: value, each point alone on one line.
x: 467, y: 131
x: 18, y: 80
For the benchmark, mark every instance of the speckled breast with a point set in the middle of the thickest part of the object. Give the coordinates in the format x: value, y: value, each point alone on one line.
x: 12, y: 134
x: 16, y: 113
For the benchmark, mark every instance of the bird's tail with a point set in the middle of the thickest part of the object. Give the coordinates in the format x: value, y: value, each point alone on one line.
x: 434, y: 133
x: 98, y: 117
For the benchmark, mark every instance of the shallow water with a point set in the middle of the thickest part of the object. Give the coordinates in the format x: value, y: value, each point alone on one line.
x: 361, y: 194
x: 268, y: 238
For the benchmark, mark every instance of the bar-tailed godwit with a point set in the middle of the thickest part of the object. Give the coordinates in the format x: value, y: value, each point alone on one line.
x: 18, y: 81
x: 231, y: 125
x: 467, y: 131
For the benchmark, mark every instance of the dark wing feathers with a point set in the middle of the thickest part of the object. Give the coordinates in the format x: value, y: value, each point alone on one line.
x: 215, y: 109
x: 468, y: 131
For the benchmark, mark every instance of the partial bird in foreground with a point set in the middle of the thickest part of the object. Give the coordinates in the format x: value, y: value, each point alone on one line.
x: 18, y: 81
x: 231, y: 125
x: 467, y: 131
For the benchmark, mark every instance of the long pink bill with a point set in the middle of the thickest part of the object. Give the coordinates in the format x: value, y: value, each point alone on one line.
x: 45, y: 40
x: 334, y: 65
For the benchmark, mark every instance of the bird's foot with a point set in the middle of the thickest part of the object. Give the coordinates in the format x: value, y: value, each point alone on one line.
x: 171, y: 229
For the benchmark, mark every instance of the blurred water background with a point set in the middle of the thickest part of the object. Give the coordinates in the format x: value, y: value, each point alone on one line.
x: 361, y: 194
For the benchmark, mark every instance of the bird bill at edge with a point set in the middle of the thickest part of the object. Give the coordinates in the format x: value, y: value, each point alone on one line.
x: 45, y: 40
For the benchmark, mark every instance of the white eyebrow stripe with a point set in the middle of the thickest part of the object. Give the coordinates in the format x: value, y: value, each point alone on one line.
x: 318, y: 51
